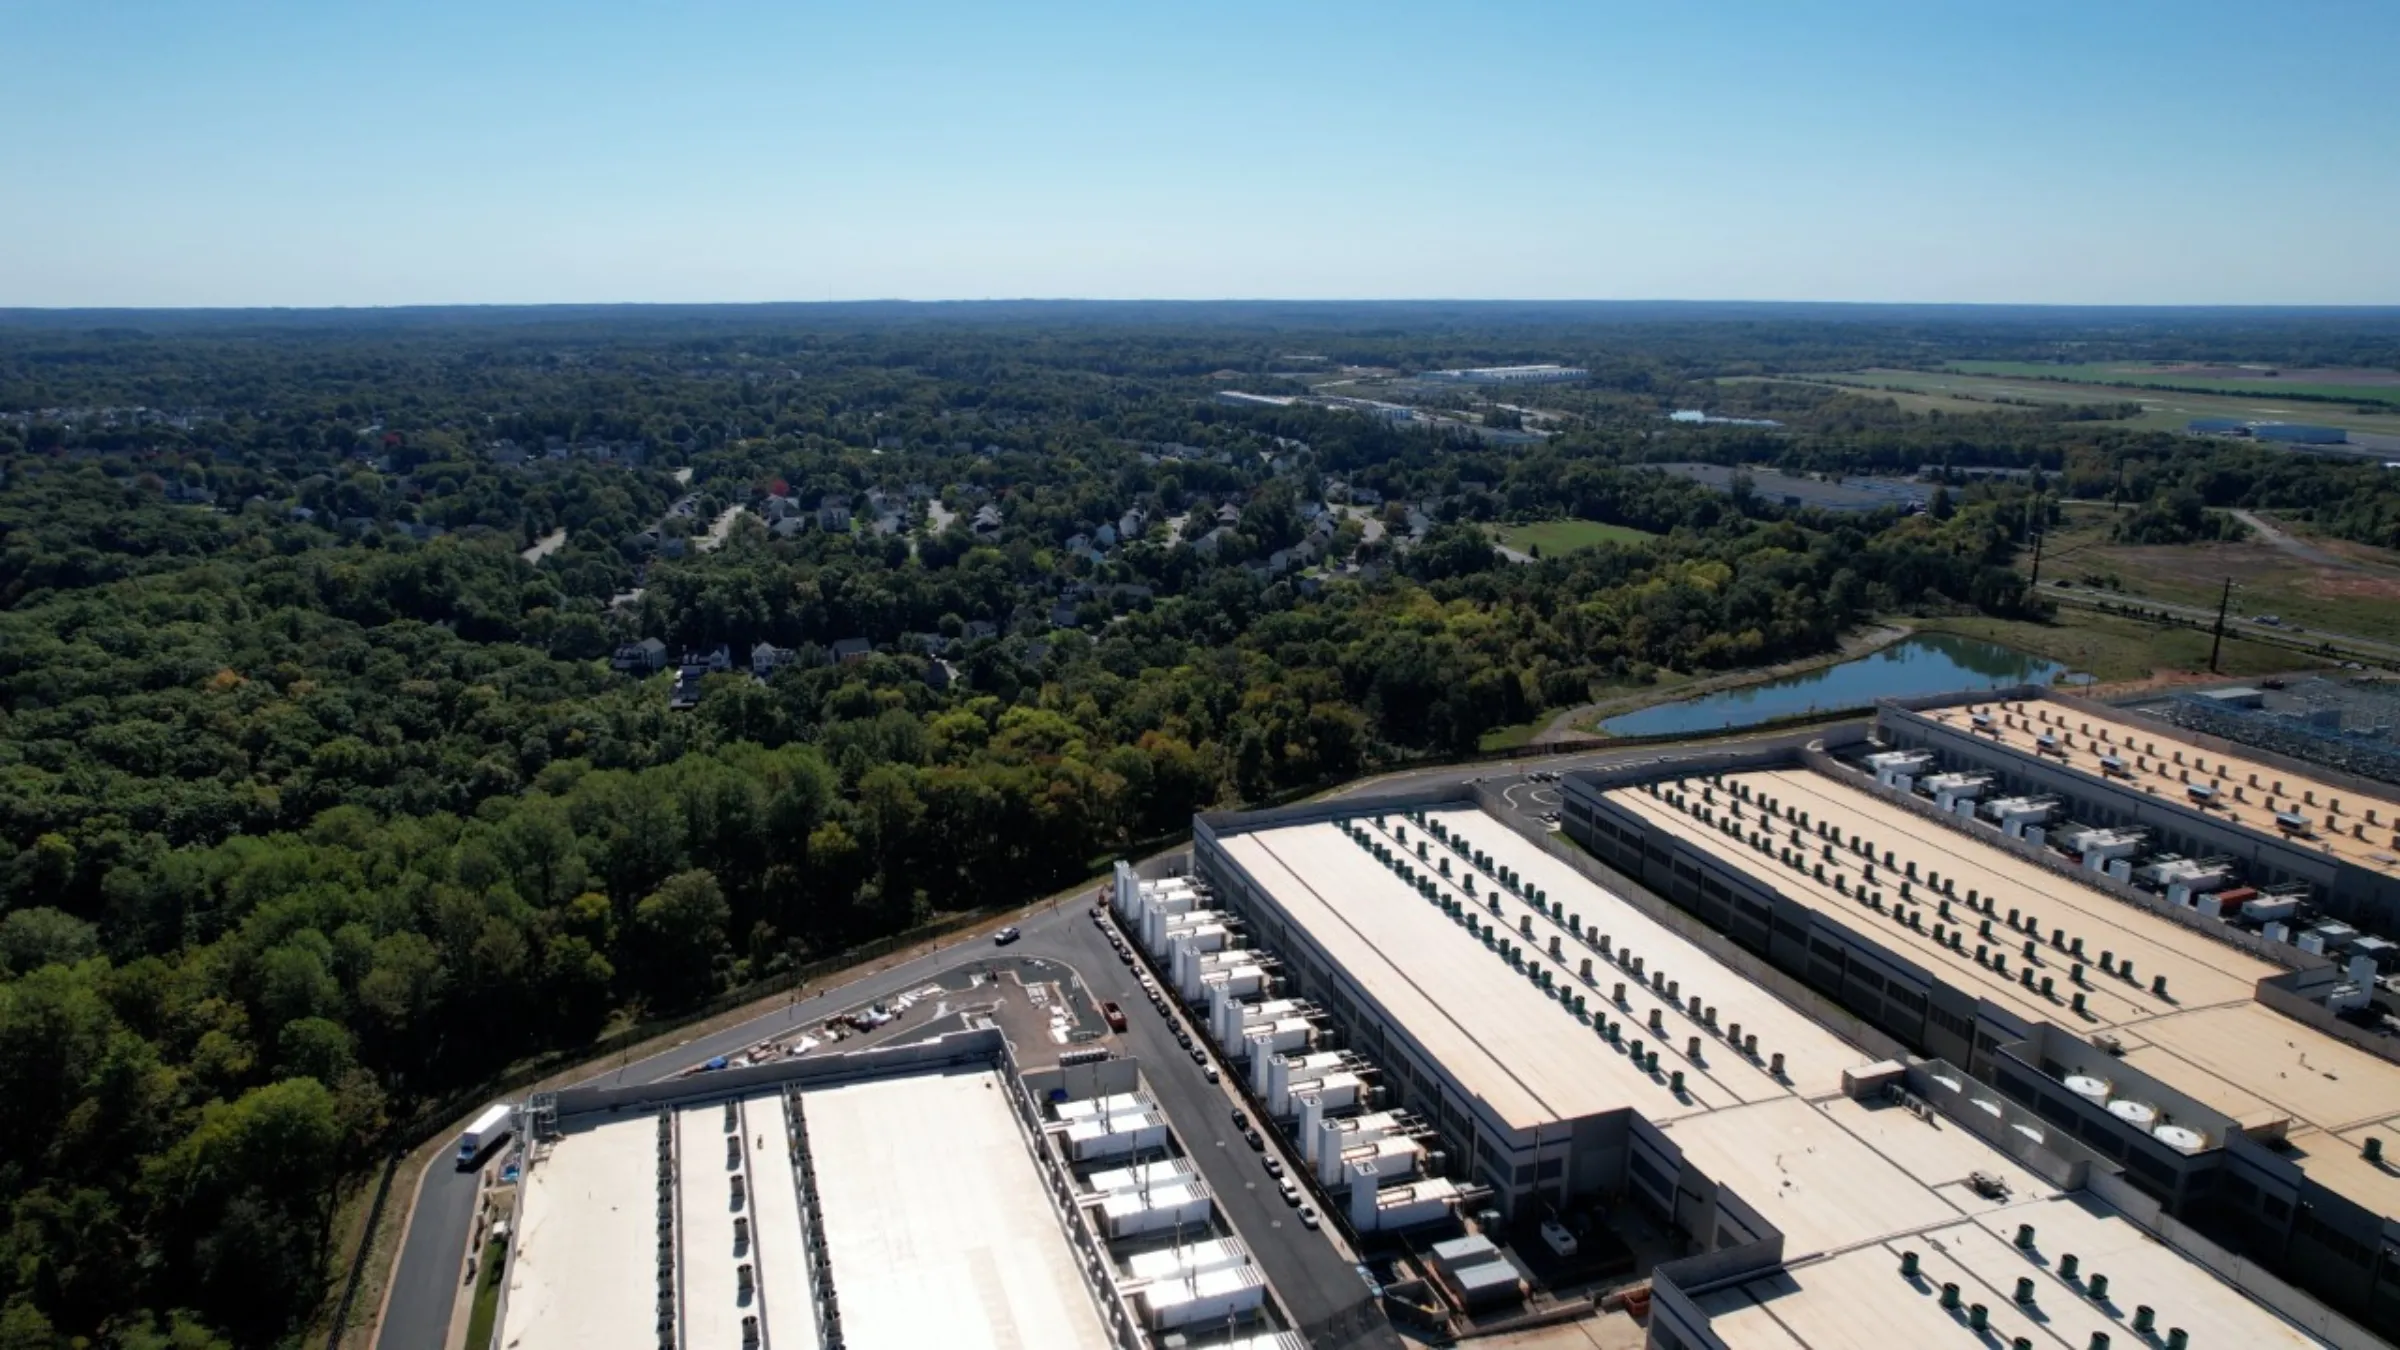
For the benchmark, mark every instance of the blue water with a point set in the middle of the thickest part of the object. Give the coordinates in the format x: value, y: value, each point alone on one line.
x: 1929, y: 663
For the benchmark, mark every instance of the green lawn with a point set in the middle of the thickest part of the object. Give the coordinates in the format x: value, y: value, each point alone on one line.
x: 2137, y: 373
x: 1550, y: 538
x: 487, y: 1295
x: 2161, y: 409
x: 2115, y: 648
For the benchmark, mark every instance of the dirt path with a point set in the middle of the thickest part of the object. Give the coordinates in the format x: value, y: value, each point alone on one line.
x: 1562, y: 728
x: 545, y: 546
x: 2299, y: 549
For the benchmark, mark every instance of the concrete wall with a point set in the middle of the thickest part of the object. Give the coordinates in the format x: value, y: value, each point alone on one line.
x: 983, y: 1047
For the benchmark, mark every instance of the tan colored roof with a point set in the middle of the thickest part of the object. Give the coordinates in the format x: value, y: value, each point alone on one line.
x: 2343, y: 823
x: 2213, y: 1040
x: 1498, y: 1034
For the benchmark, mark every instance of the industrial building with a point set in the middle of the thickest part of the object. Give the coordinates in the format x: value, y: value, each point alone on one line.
x: 2277, y: 824
x: 1545, y: 373
x: 2197, y: 1062
x: 920, y: 1195
x: 1547, y: 1039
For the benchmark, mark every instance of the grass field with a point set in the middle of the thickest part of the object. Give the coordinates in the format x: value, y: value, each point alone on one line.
x: 2361, y: 597
x: 2162, y: 410
x: 1906, y: 401
x: 2113, y: 648
x: 2142, y: 373
x: 487, y: 1293
x: 1550, y: 538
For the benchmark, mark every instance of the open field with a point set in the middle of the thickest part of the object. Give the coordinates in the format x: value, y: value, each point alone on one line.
x: 1906, y: 401
x: 2359, y: 596
x: 2358, y: 386
x: 1554, y: 537
x: 2162, y: 410
x: 2113, y: 648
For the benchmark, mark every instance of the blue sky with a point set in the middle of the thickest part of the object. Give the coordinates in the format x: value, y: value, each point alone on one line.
x: 2103, y: 151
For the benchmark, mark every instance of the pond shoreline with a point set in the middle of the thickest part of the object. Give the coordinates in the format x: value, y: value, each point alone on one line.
x: 1578, y: 725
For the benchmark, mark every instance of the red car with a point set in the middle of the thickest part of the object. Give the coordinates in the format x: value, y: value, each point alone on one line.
x: 1115, y: 1016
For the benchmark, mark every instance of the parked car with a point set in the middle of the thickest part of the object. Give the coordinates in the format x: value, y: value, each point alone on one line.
x: 1199, y: 1056
x: 1274, y: 1166
x: 1115, y: 1016
x: 1006, y: 936
x: 1255, y: 1140
x: 1125, y: 956
x: 1209, y: 1072
x: 1291, y: 1193
x: 1308, y: 1217
x: 1241, y: 1119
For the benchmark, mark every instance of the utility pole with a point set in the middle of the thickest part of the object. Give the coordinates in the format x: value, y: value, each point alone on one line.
x: 2219, y: 643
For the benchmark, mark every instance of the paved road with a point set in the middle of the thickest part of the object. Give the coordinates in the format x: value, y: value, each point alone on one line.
x: 427, y: 1284
x: 1318, y: 1284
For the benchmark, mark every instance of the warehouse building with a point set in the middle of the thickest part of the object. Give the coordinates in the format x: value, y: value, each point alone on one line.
x: 1545, y: 373
x: 2134, y: 1031
x: 1563, y: 1040
x: 2281, y: 824
x: 920, y: 1195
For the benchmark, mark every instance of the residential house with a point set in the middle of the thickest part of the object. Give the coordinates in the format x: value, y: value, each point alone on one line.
x: 1229, y: 515
x: 833, y: 512
x: 645, y: 657
x: 982, y: 630
x: 1208, y: 543
x: 1079, y: 543
x: 986, y: 522
x: 923, y: 644
x: 779, y: 508
x: 686, y: 694
x: 766, y: 658
x: 1062, y: 615
x: 1105, y: 537
x: 716, y: 660
x: 1132, y: 523
x: 851, y: 650
x: 942, y: 675
x: 790, y: 527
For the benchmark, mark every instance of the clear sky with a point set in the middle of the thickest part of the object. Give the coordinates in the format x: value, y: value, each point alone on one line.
x: 346, y: 152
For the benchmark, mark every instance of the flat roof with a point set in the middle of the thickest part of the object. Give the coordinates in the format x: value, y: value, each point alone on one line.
x: 1823, y: 1176
x: 1859, y: 1300
x: 584, y: 1268
x: 939, y: 1225
x: 708, y: 1304
x: 2200, y: 970
x: 1493, y: 1031
x: 777, y: 1245
x: 2149, y: 748
x: 2210, y: 1039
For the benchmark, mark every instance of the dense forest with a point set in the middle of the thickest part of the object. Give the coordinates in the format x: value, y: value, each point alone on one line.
x: 323, y: 793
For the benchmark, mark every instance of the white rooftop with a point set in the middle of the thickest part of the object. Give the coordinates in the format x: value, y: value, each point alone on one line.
x: 1496, y: 1032
x: 937, y: 1220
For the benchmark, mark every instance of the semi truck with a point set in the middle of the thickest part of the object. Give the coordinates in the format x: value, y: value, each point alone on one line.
x: 488, y: 1129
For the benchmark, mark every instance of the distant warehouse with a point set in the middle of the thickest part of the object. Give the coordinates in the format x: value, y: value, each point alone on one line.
x: 2285, y: 433
x: 1538, y: 374
x: 2300, y: 433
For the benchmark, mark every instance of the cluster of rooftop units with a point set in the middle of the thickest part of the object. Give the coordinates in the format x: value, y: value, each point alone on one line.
x: 909, y: 1196
x: 1558, y: 1041
x: 2191, y: 1056
x: 2274, y: 840
x: 1378, y: 1163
